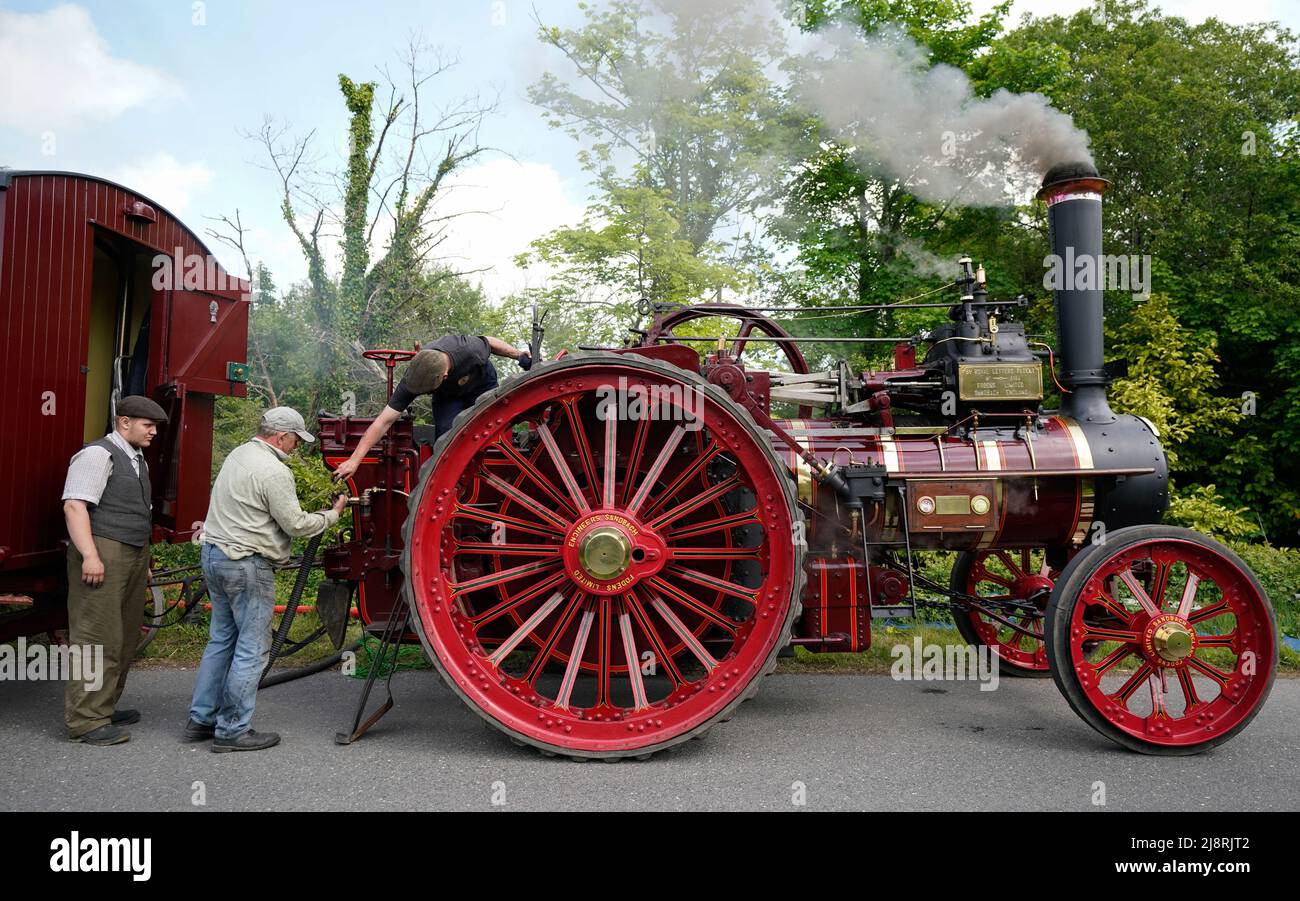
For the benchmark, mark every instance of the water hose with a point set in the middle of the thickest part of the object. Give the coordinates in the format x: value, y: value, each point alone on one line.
x: 311, y: 668
x: 291, y: 608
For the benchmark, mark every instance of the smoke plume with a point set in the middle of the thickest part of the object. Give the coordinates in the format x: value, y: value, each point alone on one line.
x: 919, y: 124
x: 924, y: 126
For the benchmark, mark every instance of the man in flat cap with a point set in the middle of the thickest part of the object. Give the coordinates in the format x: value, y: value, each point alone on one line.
x: 253, y: 517
x: 107, y: 503
x: 455, y: 369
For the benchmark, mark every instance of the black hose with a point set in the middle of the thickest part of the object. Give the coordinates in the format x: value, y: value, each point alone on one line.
x: 291, y: 609
x: 319, y: 666
x: 295, y: 647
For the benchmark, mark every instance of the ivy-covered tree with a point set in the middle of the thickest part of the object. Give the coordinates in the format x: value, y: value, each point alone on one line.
x: 402, y: 148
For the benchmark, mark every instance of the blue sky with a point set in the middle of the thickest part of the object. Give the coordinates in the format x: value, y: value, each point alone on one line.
x: 177, y: 139
x: 137, y: 91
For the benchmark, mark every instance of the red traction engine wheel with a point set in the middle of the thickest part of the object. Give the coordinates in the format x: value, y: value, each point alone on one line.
x: 599, y: 556
x: 1007, y: 575
x: 1162, y: 640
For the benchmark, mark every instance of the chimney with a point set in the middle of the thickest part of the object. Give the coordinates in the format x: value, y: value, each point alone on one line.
x: 1073, y: 192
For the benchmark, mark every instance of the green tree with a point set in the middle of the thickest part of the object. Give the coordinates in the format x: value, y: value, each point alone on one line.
x: 857, y: 228
x: 681, y: 129
x: 1172, y: 379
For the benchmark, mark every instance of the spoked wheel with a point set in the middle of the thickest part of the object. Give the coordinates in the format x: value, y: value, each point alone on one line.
x: 155, y: 613
x: 160, y: 612
x: 745, y: 323
x: 599, y: 556
x: 1007, y: 575
x: 1162, y: 640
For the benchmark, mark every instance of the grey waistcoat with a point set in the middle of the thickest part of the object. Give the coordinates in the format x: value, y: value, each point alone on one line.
x: 123, y: 513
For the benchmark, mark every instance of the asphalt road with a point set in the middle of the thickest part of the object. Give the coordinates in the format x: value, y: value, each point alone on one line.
x: 853, y: 742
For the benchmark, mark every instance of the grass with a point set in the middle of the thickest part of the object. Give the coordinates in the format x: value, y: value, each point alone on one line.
x: 183, y: 646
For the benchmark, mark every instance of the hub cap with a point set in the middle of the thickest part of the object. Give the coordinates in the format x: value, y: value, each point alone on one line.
x: 605, y: 552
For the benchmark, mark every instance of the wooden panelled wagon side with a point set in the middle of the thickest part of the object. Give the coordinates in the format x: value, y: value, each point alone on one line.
x: 605, y: 555
x: 103, y: 293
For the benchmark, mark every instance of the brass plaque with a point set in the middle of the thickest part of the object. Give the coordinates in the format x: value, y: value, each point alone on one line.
x: 952, y: 505
x: 1000, y: 381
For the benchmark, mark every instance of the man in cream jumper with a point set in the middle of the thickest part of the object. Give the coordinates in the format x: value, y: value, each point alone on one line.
x: 253, y: 517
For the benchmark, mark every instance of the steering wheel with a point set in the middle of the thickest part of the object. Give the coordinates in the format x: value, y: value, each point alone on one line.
x: 388, y: 357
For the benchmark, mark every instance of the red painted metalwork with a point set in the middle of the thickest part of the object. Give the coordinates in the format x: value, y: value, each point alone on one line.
x: 371, y: 556
x: 50, y: 226
x: 1032, y: 511
x: 836, y: 608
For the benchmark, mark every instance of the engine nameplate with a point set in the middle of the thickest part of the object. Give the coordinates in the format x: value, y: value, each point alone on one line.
x: 1000, y: 381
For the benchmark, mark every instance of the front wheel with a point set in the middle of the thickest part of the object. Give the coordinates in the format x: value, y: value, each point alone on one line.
x: 1162, y: 640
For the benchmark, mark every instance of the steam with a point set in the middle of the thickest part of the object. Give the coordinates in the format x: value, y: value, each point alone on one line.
x: 877, y: 95
x: 924, y: 126
x: 924, y: 262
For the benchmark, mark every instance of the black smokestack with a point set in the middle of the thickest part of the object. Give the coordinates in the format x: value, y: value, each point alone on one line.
x: 1073, y: 192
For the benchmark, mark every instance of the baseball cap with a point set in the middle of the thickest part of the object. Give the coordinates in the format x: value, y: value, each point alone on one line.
x: 286, y: 419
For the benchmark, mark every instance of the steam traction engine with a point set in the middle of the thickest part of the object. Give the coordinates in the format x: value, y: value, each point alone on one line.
x: 605, y: 555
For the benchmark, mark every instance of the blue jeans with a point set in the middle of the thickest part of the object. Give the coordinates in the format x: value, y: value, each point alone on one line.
x: 445, y: 410
x: 239, y: 641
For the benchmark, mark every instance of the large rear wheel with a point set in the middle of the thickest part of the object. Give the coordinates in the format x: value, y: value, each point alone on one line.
x: 599, y: 556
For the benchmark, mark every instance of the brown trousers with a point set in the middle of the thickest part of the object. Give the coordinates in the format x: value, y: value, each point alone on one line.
x: 109, y: 616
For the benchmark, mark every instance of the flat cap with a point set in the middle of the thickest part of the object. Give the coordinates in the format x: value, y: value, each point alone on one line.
x: 140, y: 407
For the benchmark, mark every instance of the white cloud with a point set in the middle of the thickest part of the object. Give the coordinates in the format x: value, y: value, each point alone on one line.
x: 58, y: 73
x: 507, y: 205
x: 163, y: 178
x: 504, y: 205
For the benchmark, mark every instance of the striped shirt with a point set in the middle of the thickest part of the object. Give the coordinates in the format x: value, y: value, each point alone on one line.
x: 90, y: 467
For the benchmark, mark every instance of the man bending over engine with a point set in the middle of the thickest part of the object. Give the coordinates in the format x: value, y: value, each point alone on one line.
x: 455, y: 369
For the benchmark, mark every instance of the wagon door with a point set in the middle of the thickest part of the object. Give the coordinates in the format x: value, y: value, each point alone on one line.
x: 198, y: 347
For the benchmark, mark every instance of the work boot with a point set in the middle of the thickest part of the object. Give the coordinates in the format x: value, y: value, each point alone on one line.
x: 246, y: 741
x: 198, y: 732
x: 104, y: 735
x: 125, y: 717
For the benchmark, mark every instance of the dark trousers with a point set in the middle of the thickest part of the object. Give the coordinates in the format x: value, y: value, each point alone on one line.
x: 108, y: 616
x: 446, y: 409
